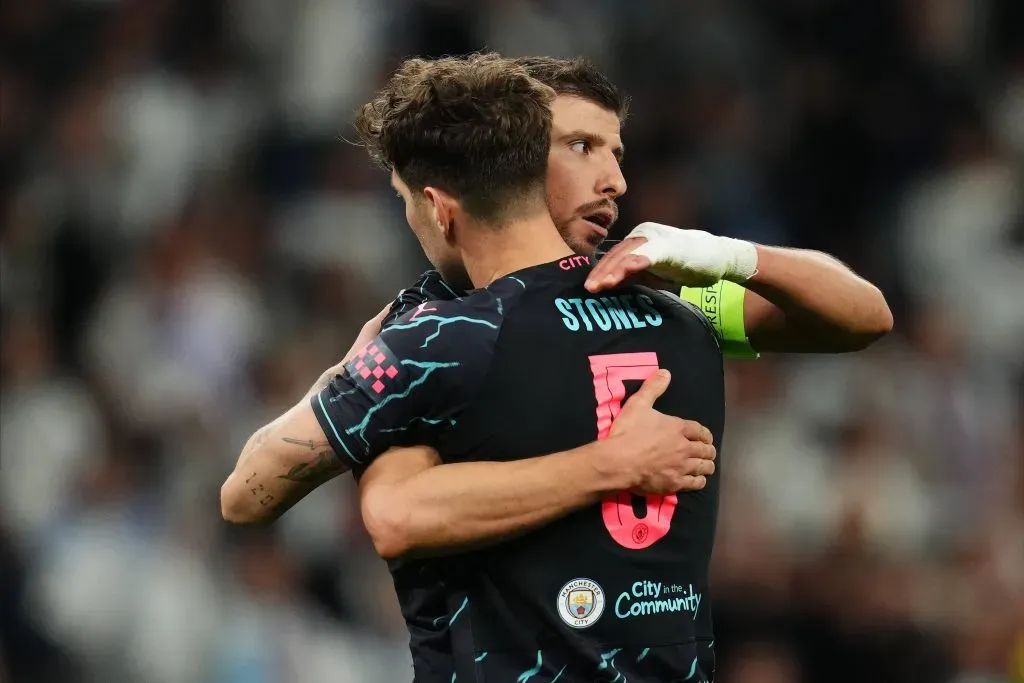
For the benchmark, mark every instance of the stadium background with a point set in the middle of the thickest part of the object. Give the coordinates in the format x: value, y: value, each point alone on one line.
x: 186, y: 243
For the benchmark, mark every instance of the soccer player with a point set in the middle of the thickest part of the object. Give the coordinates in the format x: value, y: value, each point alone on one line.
x: 467, y: 141
x: 796, y: 301
x: 810, y: 303
x: 515, y: 368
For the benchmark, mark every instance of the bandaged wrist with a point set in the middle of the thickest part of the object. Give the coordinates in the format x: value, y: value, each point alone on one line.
x: 694, y: 257
x: 722, y: 305
x: 743, y: 264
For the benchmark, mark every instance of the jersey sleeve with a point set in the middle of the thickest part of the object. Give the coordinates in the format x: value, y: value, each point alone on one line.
x: 430, y: 286
x: 722, y: 304
x: 409, y: 384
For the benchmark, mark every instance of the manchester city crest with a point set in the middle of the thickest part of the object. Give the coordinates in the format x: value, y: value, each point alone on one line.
x: 581, y: 603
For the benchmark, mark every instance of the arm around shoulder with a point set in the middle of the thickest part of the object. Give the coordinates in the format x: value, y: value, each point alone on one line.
x: 413, y: 505
x: 808, y: 301
x: 279, y: 465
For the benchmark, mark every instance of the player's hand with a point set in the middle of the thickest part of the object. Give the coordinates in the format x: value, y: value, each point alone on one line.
x: 686, y: 258
x: 663, y: 454
x: 371, y: 328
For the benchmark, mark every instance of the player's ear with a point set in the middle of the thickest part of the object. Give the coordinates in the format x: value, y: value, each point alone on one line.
x: 443, y: 209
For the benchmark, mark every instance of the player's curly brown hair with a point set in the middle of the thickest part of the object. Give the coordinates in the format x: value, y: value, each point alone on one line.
x: 477, y: 127
x: 577, y: 77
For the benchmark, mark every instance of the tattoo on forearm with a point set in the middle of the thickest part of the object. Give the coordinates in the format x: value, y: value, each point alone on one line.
x: 308, y: 443
x: 318, y: 470
x: 323, y: 467
x: 259, y: 492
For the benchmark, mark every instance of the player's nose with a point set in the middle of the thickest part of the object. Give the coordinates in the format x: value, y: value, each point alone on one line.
x: 612, y: 183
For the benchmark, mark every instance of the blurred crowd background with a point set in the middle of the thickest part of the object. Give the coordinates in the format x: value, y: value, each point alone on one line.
x: 187, y: 239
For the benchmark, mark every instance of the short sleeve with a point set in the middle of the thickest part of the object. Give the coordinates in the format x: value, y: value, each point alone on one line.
x: 430, y: 286
x: 409, y: 384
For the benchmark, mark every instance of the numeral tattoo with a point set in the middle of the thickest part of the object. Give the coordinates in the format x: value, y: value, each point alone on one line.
x: 259, y: 492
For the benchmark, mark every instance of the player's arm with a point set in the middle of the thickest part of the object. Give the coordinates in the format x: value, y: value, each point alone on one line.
x: 414, y: 505
x: 280, y: 464
x: 763, y: 298
x: 809, y: 302
x: 285, y: 460
x: 403, y: 388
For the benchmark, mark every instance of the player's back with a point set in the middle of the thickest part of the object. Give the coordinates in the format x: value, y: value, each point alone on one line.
x: 608, y: 591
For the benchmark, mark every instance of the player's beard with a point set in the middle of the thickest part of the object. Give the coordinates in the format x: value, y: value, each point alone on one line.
x: 588, y: 245
x: 591, y: 241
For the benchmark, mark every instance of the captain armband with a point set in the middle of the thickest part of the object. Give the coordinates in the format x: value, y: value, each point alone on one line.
x: 722, y: 305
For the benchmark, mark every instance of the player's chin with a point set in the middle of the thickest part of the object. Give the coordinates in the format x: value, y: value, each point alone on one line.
x: 586, y: 237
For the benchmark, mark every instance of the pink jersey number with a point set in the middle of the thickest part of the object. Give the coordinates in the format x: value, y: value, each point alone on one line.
x: 610, y: 374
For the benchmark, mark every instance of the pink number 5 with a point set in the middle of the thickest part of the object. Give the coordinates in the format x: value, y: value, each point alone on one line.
x: 610, y: 374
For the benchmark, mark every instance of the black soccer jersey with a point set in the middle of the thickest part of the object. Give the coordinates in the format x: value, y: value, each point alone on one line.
x: 530, y: 365
x: 430, y: 286
x: 418, y: 584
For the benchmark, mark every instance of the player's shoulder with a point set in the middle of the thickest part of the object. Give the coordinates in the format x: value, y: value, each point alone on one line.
x: 673, y: 301
x: 465, y: 326
x: 681, y: 308
x: 480, y: 303
x: 429, y: 286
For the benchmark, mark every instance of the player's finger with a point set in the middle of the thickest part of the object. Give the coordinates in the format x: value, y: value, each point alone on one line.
x: 703, y: 468
x: 624, y: 270
x: 366, y: 335
x: 605, y: 268
x: 630, y: 266
x: 695, y: 483
x: 377, y: 320
x: 649, y: 392
x: 613, y: 255
x: 635, y: 264
x: 601, y: 266
x: 646, y: 278
x: 701, y: 451
x: 695, y: 431
x: 612, y: 279
x: 606, y: 272
x: 619, y: 255
x: 373, y: 326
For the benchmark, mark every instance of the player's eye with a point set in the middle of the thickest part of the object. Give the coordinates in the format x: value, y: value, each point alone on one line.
x: 581, y: 147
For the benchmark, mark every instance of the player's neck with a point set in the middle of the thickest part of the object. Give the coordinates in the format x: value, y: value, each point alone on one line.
x: 493, y: 253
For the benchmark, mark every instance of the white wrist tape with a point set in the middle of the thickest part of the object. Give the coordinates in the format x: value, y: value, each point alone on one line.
x: 693, y: 257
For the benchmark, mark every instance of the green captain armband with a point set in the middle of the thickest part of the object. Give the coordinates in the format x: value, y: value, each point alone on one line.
x: 722, y: 305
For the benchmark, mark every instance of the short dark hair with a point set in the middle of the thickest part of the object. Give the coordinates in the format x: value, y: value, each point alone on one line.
x: 577, y: 77
x: 477, y: 127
